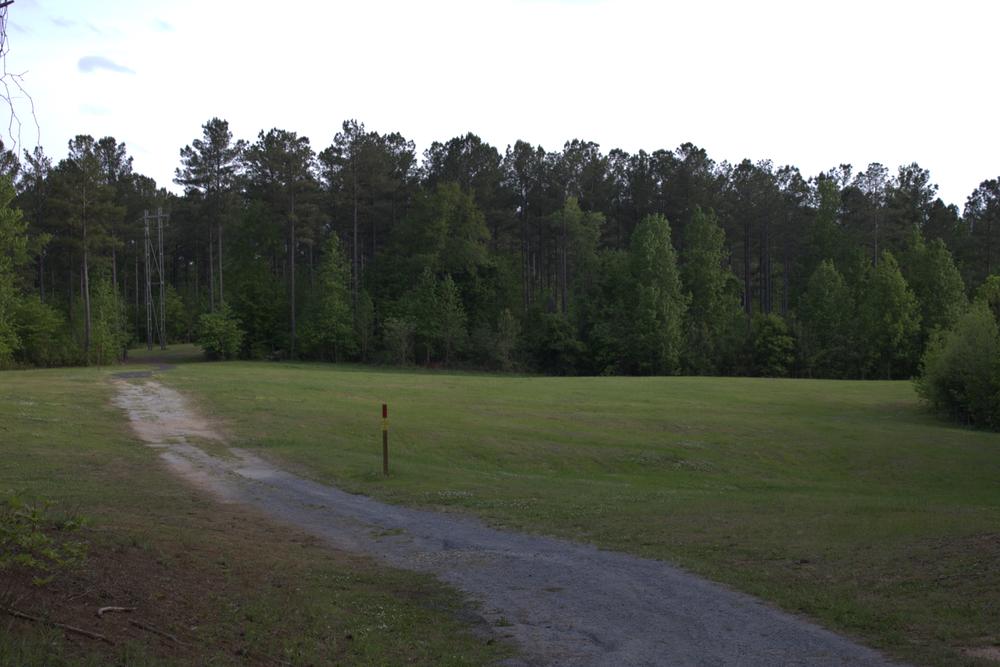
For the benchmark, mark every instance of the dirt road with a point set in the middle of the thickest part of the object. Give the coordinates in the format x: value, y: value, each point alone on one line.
x: 564, y: 603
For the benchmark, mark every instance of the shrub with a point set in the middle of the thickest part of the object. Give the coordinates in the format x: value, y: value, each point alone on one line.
x: 772, y: 347
x: 961, y: 369
x: 45, y: 337
x: 219, y: 334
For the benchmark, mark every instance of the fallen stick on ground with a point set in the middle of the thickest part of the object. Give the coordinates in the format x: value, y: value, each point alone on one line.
x: 62, y: 626
x: 149, y: 628
x: 103, y: 610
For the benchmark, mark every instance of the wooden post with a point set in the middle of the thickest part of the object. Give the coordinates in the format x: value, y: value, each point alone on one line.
x: 385, y: 439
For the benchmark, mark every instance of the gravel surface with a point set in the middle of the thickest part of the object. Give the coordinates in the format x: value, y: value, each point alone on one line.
x: 564, y: 603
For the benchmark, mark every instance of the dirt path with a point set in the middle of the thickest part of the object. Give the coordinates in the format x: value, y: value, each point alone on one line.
x: 565, y: 603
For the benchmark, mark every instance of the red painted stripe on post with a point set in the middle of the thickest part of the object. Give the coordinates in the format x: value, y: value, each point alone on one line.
x: 385, y: 411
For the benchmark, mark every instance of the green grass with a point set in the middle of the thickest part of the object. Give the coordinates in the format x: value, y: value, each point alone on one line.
x: 234, y: 588
x: 840, y: 500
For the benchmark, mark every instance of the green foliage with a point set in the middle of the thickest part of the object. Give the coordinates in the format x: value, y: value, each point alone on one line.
x: 450, y: 316
x: 9, y: 340
x: 657, y: 303
x: 108, y: 334
x: 579, y: 236
x: 44, y: 337
x: 364, y: 323
x: 772, y: 347
x: 34, y: 541
x: 826, y: 311
x: 179, y: 323
x: 219, y: 334
x: 569, y: 231
x: 422, y: 309
x: 825, y: 237
x: 713, y: 312
x: 260, y: 304
x: 397, y: 336
x: 435, y: 308
x: 552, y: 342
x: 606, y: 314
x: 444, y: 231
x: 989, y: 294
x: 961, y: 369
x: 328, y: 331
x: 889, y: 320
x: 936, y: 282
x: 505, y: 342
x: 13, y: 254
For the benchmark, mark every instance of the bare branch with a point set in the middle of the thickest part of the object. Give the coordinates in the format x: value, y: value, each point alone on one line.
x: 12, y: 89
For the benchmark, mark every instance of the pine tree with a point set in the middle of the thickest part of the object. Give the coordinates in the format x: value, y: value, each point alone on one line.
x: 658, y: 305
x: 826, y: 310
x: 889, y: 321
x: 936, y: 282
x: 713, y: 308
x: 330, y: 327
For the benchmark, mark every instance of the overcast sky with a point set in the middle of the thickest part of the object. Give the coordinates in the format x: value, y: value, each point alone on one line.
x: 805, y: 83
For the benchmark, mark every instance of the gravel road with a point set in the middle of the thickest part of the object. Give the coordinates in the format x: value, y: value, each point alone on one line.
x: 564, y: 603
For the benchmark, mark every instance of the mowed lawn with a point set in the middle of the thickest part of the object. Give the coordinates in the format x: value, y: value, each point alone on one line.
x: 844, y: 501
x: 221, y: 585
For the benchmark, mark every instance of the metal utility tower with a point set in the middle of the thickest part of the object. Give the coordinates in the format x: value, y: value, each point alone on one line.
x: 154, y: 263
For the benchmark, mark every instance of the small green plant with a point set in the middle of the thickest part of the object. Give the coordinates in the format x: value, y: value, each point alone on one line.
x: 35, y: 541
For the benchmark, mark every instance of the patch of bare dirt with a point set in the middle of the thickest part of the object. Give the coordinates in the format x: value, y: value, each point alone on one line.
x: 991, y: 653
x: 164, y: 597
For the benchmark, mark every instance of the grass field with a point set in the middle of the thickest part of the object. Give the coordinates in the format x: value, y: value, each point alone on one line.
x: 228, y: 586
x: 840, y: 500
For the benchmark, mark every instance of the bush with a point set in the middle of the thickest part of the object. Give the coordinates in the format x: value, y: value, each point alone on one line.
x: 550, y: 339
x: 771, y: 346
x: 219, y: 334
x: 961, y: 370
x: 44, y: 335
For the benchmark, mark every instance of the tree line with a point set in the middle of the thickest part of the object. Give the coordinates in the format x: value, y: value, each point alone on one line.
x: 574, y: 261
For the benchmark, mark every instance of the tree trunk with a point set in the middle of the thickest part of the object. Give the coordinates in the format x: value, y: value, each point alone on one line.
x: 197, y: 280
x: 747, y: 279
x: 291, y: 275
x: 137, y: 289
x: 876, y: 239
x: 69, y: 282
x: 41, y: 275
x: 564, y: 276
x: 354, y: 245
x: 312, y: 270
x: 765, y: 267
x: 211, y: 273
x: 989, y: 247
x: 525, y: 253
x: 86, y: 300
x: 221, y: 297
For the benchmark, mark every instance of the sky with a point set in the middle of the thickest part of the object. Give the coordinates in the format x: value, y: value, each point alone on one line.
x: 812, y: 84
